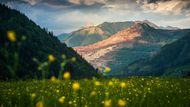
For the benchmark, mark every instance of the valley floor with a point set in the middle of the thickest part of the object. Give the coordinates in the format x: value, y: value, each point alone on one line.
x: 131, y: 92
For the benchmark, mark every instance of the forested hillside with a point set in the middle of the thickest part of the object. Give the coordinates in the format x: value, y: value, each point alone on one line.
x: 172, y: 60
x: 16, y: 57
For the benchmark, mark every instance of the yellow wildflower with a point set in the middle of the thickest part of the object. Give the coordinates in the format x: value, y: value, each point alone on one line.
x: 107, y: 93
x: 70, y: 102
x: 62, y: 99
x: 53, y: 79
x: 97, y: 83
x: 51, y: 58
x: 73, y: 59
x: 57, y: 91
x: 107, y: 69
x: 67, y: 75
x: 110, y: 83
x: 123, y: 85
x: 121, y: 103
x: 76, y: 86
x: 11, y: 36
x: 40, y: 104
x: 107, y: 103
x: 33, y: 95
x: 93, y: 93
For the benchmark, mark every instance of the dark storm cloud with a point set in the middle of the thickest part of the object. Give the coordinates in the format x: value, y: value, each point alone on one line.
x: 154, y: 1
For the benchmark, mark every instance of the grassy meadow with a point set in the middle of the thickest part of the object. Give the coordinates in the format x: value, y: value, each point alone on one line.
x: 129, y: 92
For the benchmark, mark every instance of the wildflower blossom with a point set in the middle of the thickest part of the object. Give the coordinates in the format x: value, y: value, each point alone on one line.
x: 93, y: 93
x: 51, y: 58
x: 110, y: 83
x: 53, y: 79
x: 67, y: 75
x: 57, y: 91
x: 70, y: 102
x: 97, y: 83
x: 40, y: 104
x: 107, y: 103
x: 123, y: 85
x: 33, y: 95
x: 11, y: 36
x: 76, y: 86
x: 121, y: 103
x: 107, y: 69
x: 62, y: 99
x: 73, y: 59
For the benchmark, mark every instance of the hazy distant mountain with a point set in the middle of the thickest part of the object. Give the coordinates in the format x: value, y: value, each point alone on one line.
x: 170, y: 28
x: 93, y: 34
x: 128, y: 45
x: 63, y: 36
x: 160, y: 27
x: 172, y: 60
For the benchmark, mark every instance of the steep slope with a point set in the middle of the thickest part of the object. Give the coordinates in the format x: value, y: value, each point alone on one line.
x: 131, y: 44
x: 172, y: 60
x: 39, y: 44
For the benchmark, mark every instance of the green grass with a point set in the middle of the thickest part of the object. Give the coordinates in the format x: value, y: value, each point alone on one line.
x: 139, y: 92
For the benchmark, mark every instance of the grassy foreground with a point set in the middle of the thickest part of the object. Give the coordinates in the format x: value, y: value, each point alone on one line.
x: 131, y: 92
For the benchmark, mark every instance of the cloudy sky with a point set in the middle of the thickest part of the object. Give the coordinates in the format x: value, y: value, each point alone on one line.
x: 62, y: 16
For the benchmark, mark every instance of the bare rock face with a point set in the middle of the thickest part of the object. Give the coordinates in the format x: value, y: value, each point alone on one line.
x: 123, y: 36
x: 100, y: 53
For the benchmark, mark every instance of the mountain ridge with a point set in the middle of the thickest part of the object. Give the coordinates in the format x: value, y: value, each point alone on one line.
x: 82, y: 37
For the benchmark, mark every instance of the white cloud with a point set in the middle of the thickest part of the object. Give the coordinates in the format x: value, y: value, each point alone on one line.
x: 92, y: 2
x: 181, y: 23
x: 32, y: 2
x: 77, y: 2
x: 175, y: 7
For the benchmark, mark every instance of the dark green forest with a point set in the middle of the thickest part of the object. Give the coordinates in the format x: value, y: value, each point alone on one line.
x: 34, y: 42
x: 172, y: 60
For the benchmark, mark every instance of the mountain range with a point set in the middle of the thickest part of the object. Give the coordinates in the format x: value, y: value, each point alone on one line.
x: 122, y: 43
x: 93, y: 34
